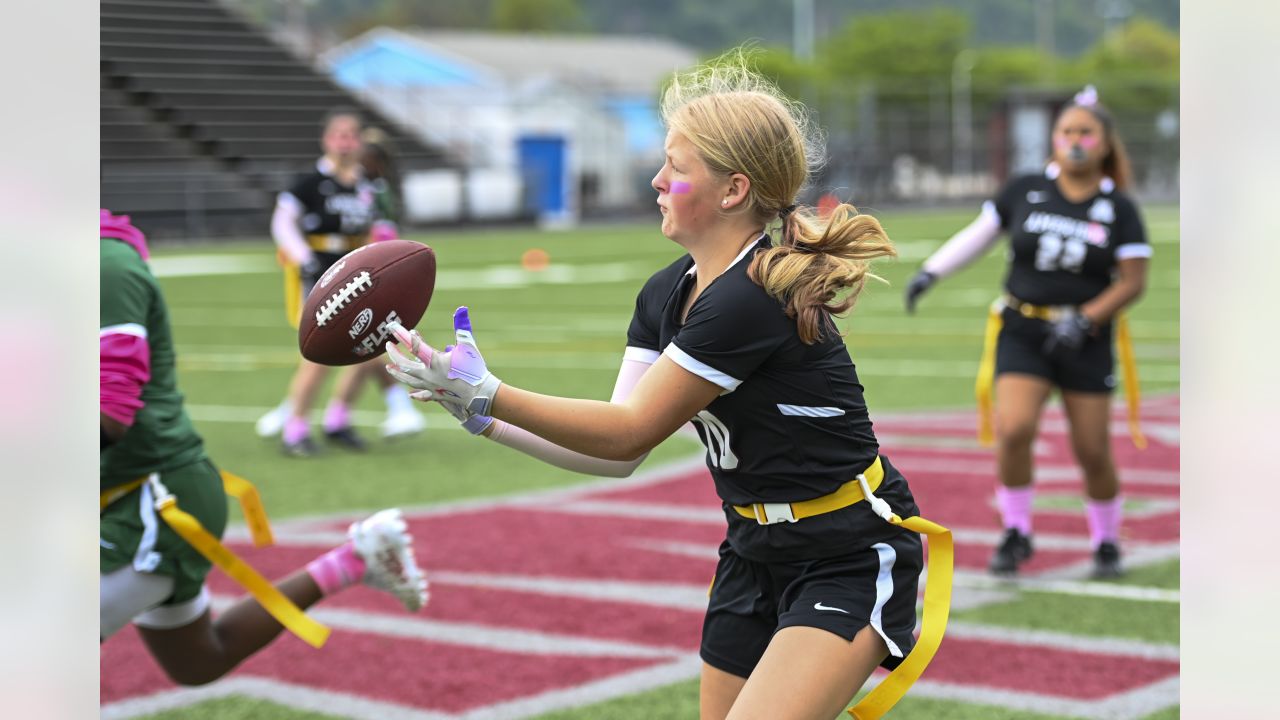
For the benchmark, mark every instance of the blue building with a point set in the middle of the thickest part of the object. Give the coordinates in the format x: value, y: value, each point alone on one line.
x: 570, y: 120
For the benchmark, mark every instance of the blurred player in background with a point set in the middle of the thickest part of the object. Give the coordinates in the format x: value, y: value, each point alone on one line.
x: 149, y: 574
x: 813, y: 589
x: 324, y: 215
x: 1078, y: 257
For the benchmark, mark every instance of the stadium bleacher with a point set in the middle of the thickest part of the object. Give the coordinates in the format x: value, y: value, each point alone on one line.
x: 204, y: 118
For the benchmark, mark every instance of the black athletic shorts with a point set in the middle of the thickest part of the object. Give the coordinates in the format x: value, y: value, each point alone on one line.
x: 750, y: 600
x: 1020, y: 349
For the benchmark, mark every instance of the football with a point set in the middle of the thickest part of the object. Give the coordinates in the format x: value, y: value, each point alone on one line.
x: 344, y: 320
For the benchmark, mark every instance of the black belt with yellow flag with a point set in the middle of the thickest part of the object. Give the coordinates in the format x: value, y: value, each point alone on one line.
x: 190, y: 530
x: 937, y: 591
x: 987, y: 366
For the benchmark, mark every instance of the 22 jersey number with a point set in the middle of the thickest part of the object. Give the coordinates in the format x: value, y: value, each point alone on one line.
x: 1057, y: 253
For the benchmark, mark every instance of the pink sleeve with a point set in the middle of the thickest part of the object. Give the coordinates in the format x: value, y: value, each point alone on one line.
x: 967, y: 245
x: 124, y: 367
x: 285, y: 229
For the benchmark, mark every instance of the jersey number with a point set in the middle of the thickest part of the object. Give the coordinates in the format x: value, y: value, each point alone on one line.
x: 1055, y: 253
x: 716, y: 438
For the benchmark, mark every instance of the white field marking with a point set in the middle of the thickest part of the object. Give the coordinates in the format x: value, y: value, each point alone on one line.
x: 973, y: 326
x: 488, y: 637
x: 1043, y: 582
x: 363, y: 418
x: 514, y: 276
x: 224, y: 317
x: 491, y: 276
x: 687, y: 667
x: 709, y: 513
x: 1133, y: 555
x: 1166, y: 432
x: 213, y: 264
x: 909, y: 367
x: 1062, y: 641
x: 1139, y: 476
x: 1127, y: 706
x: 303, y: 526
x: 682, y: 596
x: 301, y: 697
x: 1144, y: 701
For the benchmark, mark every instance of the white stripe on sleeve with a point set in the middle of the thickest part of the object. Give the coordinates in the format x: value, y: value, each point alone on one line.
x: 1134, y: 250
x: 701, y: 369
x: 125, y: 329
x: 809, y: 411
x: 643, y: 355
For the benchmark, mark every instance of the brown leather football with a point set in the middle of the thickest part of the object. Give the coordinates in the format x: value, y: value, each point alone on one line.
x: 345, y: 318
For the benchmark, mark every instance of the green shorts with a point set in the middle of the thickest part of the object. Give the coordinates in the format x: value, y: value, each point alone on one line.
x: 131, y: 532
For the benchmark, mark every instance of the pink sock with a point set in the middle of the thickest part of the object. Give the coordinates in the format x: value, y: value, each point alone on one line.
x: 1104, y: 519
x: 295, y: 429
x: 337, y: 416
x: 339, y: 568
x: 1015, y: 507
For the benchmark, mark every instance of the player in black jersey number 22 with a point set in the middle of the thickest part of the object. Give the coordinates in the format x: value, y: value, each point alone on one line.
x: 1078, y: 257
x: 813, y: 589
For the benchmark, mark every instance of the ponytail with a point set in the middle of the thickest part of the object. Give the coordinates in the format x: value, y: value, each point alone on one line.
x: 814, y: 264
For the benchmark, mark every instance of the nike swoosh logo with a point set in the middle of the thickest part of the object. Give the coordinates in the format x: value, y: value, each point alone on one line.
x: 819, y: 606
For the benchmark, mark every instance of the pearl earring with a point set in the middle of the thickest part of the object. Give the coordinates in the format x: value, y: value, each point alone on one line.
x: 724, y: 203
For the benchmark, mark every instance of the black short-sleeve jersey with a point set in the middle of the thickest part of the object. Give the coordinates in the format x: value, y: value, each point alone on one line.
x: 328, y: 207
x: 1063, y: 252
x: 791, y: 423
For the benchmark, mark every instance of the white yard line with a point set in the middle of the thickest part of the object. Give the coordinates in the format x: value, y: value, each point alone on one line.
x: 1061, y: 641
x: 300, y: 697
x: 1127, y: 706
x: 487, y: 637
x: 686, y: 667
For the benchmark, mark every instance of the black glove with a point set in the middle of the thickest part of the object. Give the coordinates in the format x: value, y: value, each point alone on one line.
x: 1067, y: 336
x: 311, y: 269
x: 922, y: 281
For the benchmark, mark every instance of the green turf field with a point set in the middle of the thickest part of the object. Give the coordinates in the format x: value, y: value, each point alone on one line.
x: 562, y: 331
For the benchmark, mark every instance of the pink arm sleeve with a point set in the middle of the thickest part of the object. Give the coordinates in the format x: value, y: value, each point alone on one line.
x: 285, y: 229
x: 532, y: 445
x: 124, y: 367
x: 967, y: 245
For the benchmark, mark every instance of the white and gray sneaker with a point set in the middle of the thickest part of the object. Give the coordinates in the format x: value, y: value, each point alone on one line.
x: 403, y: 422
x: 272, y: 423
x: 384, y: 543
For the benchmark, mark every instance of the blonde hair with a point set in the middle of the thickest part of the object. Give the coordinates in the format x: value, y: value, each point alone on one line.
x: 739, y: 122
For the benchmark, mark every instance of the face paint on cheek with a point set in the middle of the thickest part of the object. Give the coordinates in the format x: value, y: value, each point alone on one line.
x: 1061, y: 142
x: 679, y: 187
x: 1089, y: 142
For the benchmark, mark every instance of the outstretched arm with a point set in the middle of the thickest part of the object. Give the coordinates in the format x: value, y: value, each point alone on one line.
x: 665, y: 397
x: 517, y: 438
x: 963, y: 248
x: 968, y: 245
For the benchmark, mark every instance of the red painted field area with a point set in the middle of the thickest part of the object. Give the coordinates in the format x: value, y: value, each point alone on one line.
x: 606, y: 584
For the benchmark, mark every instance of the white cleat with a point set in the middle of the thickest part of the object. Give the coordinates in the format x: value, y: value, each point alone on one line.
x: 402, y: 423
x: 384, y: 543
x: 272, y: 424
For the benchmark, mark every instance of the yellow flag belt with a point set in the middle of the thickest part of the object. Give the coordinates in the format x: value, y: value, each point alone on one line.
x: 190, y: 530
x: 937, y: 593
x: 987, y: 370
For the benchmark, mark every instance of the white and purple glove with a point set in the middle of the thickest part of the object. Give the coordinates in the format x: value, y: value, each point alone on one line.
x: 456, y: 377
